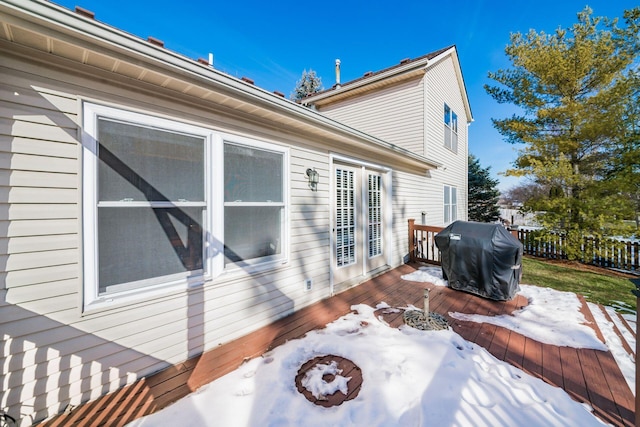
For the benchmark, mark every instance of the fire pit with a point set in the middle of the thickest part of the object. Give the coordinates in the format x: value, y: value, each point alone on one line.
x: 329, y: 380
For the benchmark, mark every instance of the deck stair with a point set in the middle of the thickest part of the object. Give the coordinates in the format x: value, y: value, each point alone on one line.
x: 622, y: 327
x: 588, y: 315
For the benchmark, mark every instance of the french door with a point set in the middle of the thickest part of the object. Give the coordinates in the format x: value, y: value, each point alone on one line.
x: 358, y: 223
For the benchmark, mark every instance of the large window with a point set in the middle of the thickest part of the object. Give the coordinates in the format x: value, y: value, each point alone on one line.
x: 253, y: 203
x: 158, y: 208
x: 450, y: 204
x: 450, y: 129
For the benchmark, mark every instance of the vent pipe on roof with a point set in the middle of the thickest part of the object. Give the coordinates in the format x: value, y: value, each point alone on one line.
x: 337, y: 73
x: 211, y: 60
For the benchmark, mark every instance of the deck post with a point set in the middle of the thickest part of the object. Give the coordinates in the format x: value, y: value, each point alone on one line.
x: 426, y: 302
x: 636, y: 292
x: 410, y: 241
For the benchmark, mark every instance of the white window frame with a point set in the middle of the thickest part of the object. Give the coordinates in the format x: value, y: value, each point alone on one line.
x: 213, y: 221
x: 258, y: 264
x: 450, y: 210
x: 451, y: 129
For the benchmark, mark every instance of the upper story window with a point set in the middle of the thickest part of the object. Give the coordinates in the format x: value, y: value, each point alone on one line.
x: 450, y: 204
x: 161, y: 199
x: 450, y: 129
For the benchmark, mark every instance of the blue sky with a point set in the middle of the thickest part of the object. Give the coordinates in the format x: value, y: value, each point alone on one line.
x: 271, y: 42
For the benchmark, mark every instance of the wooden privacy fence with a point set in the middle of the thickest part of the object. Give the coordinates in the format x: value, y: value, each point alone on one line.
x: 608, y: 253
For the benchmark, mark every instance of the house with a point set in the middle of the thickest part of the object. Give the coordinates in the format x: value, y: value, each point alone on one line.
x: 420, y: 105
x: 154, y: 208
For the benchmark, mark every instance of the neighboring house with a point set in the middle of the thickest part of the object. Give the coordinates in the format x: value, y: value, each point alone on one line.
x: 154, y: 208
x: 420, y: 105
x: 511, y: 214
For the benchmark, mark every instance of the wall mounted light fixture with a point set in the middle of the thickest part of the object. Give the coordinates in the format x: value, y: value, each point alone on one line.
x: 314, y: 177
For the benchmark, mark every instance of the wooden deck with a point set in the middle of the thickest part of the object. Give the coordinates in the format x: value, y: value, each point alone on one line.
x: 588, y: 376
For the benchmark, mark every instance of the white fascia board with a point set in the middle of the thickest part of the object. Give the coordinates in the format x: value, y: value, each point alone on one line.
x: 57, y: 18
x: 463, y: 88
x: 420, y: 65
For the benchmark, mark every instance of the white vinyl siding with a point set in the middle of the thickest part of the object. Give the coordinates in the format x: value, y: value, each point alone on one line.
x: 442, y: 87
x: 394, y: 114
x: 39, y: 244
x: 43, y: 330
x: 39, y: 207
x: 41, y: 322
x: 309, y: 216
x: 410, y: 198
x: 397, y: 113
x: 59, y: 355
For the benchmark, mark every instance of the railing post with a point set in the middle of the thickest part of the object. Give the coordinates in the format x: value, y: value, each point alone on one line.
x: 636, y: 292
x: 412, y: 255
x: 426, y: 302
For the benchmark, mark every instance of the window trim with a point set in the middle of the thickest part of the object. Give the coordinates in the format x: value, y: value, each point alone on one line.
x: 449, y: 127
x: 213, y: 218
x: 258, y: 264
x: 451, y: 209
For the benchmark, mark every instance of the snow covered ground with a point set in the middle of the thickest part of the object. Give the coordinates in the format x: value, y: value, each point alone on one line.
x: 410, y: 377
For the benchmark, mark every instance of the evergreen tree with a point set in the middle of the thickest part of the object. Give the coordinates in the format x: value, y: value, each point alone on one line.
x: 568, y: 88
x: 483, y: 194
x: 308, y: 84
x: 623, y: 173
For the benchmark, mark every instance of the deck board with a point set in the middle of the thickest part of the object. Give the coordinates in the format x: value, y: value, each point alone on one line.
x: 552, y: 366
x: 588, y: 376
x: 532, y: 357
x: 574, y: 382
x: 515, y: 350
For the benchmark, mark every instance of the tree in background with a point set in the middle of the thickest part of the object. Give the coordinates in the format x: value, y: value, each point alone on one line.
x: 623, y: 173
x: 308, y: 84
x: 572, y: 88
x: 522, y: 194
x: 483, y: 194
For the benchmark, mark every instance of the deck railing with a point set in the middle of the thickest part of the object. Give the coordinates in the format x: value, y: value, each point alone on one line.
x: 422, y: 245
x: 608, y: 253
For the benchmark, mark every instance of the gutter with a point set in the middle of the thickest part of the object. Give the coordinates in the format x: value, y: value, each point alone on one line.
x: 413, y: 68
x: 65, y: 21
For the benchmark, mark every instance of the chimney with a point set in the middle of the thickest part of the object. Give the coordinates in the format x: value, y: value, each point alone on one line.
x: 337, y: 73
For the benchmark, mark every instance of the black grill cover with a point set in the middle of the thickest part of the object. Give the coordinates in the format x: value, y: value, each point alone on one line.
x: 483, y: 259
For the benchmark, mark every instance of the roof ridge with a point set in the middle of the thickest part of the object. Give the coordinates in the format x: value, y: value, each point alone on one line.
x: 370, y: 74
